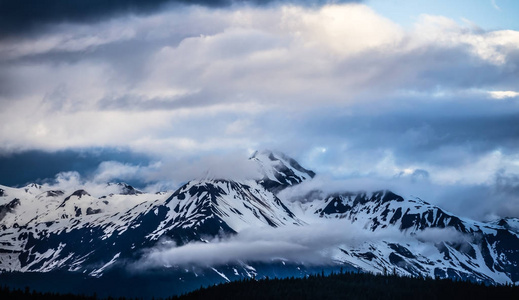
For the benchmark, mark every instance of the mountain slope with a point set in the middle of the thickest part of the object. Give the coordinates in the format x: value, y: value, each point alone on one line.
x: 436, y: 243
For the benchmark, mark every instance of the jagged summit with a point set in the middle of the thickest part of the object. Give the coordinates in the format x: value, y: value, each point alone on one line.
x: 508, y: 223
x: 215, y: 205
x: 279, y: 170
x: 125, y: 189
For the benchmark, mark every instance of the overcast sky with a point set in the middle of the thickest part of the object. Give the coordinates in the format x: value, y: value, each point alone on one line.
x: 419, y: 96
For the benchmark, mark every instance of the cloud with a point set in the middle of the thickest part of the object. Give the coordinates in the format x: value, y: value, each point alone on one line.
x: 69, y: 182
x: 437, y: 235
x: 109, y: 171
x: 19, y: 169
x: 156, y: 82
x: 504, y: 199
x: 30, y: 15
x: 493, y: 198
x: 494, y: 4
x: 169, y: 174
x: 314, y: 244
x: 503, y: 94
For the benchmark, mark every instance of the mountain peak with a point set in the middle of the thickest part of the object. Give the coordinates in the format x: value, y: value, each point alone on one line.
x: 508, y: 223
x: 33, y: 188
x: 125, y: 189
x: 279, y: 170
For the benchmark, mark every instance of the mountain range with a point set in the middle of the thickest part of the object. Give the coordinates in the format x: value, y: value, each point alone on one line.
x: 216, y: 229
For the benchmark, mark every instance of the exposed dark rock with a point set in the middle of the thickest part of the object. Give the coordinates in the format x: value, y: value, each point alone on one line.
x: 9, y: 207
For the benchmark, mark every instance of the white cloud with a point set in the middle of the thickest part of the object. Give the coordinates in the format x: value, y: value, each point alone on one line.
x: 68, y: 182
x: 246, y: 61
x: 312, y: 244
x: 494, y: 4
x: 503, y: 94
x: 346, y: 30
x: 437, y: 235
x: 111, y: 170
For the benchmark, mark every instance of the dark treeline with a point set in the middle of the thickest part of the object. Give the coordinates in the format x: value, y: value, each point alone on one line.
x: 353, y: 286
x: 27, y: 294
x: 321, y: 286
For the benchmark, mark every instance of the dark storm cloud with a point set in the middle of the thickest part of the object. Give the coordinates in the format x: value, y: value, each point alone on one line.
x: 134, y: 103
x: 36, y: 166
x: 422, y: 132
x: 507, y: 183
x: 486, y: 202
x: 18, y: 16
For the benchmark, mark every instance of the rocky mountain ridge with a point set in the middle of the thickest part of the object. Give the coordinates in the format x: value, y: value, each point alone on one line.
x: 46, y: 230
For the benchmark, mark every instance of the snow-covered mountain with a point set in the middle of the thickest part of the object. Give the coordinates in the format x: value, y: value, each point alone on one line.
x: 279, y: 171
x: 78, y: 230
x: 437, y: 243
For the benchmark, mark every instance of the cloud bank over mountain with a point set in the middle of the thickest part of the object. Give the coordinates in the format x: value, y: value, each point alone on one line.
x: 316, y: 244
